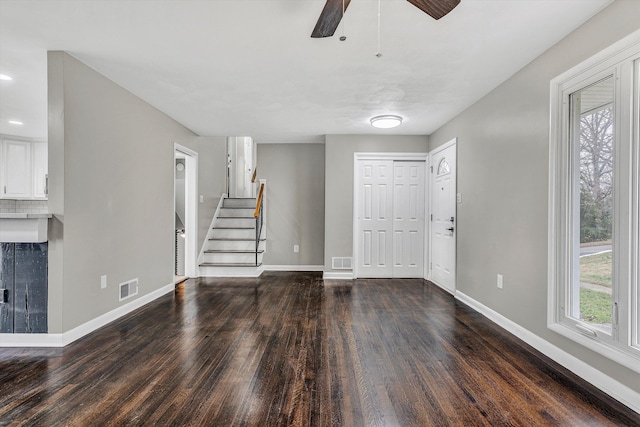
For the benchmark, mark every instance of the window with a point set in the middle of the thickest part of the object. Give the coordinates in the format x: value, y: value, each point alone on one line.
x: 591, y: 136
x: 594, y: 234
x: 443, y: 167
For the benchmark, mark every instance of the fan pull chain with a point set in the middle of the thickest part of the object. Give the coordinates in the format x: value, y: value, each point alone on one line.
x: 379, y: 55
x: 342, y: 37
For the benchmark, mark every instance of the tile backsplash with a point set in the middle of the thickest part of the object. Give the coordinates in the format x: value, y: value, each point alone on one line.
x: 24, y: 206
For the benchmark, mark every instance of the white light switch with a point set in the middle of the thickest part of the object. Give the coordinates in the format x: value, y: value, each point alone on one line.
x: 201, y: 198
x: 499, y: 281
x: 103, y: 281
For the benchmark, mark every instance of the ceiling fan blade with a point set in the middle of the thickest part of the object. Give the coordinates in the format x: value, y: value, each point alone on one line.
x: 329, y: 18
x: 435, y: 8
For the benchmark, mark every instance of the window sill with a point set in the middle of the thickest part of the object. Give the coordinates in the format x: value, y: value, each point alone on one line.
x: 628, y: 360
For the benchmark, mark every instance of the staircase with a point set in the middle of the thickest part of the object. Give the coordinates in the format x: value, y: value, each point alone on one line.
x: 231, y: 243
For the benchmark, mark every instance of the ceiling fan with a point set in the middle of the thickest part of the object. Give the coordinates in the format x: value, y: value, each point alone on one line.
x: 333, y: 11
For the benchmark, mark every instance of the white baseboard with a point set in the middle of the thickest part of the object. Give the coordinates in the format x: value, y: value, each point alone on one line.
x: 293, y: 267
x: 334, y: 275
x: 61, y: 340
x: 612, y: 387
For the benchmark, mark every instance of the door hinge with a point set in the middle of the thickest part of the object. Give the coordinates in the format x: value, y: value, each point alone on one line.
x: 431, y: 217
x: 431, y: 167
x: 430, y: 266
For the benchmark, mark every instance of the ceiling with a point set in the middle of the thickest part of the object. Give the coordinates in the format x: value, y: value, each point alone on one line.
x: 250, y: 67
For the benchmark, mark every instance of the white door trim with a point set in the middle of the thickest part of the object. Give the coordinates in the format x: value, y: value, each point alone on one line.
x: 432, y: 153
x: 191, y: 207
x: 359, y: 156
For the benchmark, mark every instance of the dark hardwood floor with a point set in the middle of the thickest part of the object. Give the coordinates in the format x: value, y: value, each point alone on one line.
x: 290, y: 349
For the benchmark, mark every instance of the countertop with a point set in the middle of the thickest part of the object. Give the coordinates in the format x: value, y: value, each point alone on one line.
x: 24, y: 215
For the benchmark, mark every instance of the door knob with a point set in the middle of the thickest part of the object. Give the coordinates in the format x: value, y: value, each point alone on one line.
x: 450, y: 229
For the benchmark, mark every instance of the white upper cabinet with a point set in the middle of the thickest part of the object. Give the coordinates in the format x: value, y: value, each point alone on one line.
x: 16, y: 169
x: 40, y: 155
x: 24, y: 168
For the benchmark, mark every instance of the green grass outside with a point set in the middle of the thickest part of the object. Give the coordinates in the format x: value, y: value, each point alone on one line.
x: 596, y: 269
x: 595, y: 307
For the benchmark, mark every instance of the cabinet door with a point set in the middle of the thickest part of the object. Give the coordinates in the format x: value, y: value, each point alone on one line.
x: 40, y: 169
x: 16, y: 169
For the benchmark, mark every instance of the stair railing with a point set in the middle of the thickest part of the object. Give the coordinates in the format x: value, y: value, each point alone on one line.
x: 258, y: 215
x: 253, y: 182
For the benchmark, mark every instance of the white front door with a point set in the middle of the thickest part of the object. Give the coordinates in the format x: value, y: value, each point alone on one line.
x: 390, y: 209
x: 443, y: 220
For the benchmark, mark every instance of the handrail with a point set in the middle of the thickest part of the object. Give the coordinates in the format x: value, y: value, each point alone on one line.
x: 253, y: 177
x: 259, y: 216
x: 256, y: 213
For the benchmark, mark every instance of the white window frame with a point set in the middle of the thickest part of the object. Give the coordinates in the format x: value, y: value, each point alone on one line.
x: 622, y: 61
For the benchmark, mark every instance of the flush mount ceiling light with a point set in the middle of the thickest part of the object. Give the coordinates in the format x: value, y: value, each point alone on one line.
x: 386, y: 121
x: 5, y: 77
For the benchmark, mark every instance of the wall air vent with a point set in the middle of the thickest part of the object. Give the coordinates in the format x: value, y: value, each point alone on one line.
x: 128, y: 289
x: 341, y: 263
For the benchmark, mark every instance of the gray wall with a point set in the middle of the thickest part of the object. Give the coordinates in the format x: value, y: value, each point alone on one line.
x: 339, y: 151
x: 111, y: 192
x: 212, y: 177
x: 503, y: 157
x: 295, y: 202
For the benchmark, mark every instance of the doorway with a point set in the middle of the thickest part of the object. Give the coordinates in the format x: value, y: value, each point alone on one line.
x: 389, y: 215
x: 443, y: 228
x: 185, y: 190
x: 180, y: 208
x: 241, y: 165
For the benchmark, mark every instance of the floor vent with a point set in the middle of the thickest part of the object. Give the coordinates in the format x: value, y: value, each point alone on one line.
x: 128, y: 289
x: 341, y: 263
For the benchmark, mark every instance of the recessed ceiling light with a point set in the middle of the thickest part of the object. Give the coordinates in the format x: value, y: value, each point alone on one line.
x: 16, y: 122
x: 5, y: 77
x: 386, y: 121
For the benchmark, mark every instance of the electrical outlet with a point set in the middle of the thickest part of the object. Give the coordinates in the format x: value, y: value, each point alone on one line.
x: 499, y: 281
x: 459, y: 197
x: 201, y: 198
x: 103, y: 281
x: 296, y: 248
